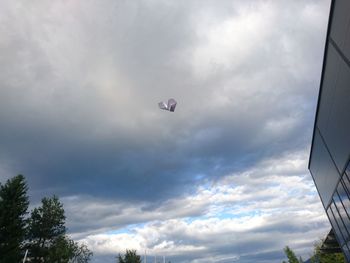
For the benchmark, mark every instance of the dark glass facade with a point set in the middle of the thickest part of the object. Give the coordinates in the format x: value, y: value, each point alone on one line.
x: 330, y: 151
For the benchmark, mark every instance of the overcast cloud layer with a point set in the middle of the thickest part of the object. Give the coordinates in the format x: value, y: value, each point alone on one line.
x: 222, y: 179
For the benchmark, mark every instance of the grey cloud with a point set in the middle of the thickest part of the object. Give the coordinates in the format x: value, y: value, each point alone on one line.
x: 236, y: 194
x: 249, y: 246
x: 79, y: 96
x: 194, y: 222
x: 79, y: 89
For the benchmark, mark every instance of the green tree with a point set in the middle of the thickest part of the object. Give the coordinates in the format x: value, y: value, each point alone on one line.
x: 292, y: 258
x: 129, y: 257
x: 62, y: 249
x: 47, y: 231
x: 43, y: 233
x: 48, y: 241
x: 319, y: 257
x: 13, y: 209
x: 81, y: 253
x: 66, y: 250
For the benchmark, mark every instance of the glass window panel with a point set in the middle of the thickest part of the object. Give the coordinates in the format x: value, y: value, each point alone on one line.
x: 343, y: 222
x: 335, y: 226
x: 344, y: 198
x: 346, y: 181
x: 339, y: 221
x: 323, y: 169
x: 346, y: 251
x: 347, y: 170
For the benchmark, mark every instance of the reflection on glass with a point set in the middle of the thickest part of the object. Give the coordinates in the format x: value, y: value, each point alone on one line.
x: 335, y: 226
x: 339, y: 222
x: 343, y: 221
x: 347, y: 170
x: 346, y: 251
x: 346, y: 183
x: 344, y: 198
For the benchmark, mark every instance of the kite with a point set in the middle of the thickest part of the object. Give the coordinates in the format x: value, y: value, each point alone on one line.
x: 170, y: 106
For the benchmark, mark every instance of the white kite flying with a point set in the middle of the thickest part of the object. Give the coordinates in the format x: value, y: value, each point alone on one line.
x: 170, y: 106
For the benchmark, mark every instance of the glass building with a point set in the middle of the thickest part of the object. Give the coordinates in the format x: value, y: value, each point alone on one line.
x: 330, y: 151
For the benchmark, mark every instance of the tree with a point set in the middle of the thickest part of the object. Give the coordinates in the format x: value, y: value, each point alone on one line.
x: 43, y: 233
x: 13, y: 210
x: 62, y: 249
x: 292, y: 258
x: 319, y: 257
x: 48, y: 241
x: 129, y: 257
x: 47, y: 230
x: 81, y: 253
x: 66, y: 250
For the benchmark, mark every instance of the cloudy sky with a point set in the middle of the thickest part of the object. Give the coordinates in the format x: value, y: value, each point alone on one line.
x: 222, y: 179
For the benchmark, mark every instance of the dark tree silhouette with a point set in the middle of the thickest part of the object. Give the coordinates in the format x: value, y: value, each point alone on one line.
x: 13, y: 209
x: 129, y: 257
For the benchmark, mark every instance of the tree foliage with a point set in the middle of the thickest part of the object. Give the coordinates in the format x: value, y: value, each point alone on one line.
x: 61, y: 250
x: 319, y: 257
x: 43, y: 233
x: 292, y: 258
x: 129, y: 257
x: 47, y: 235
x: 13, y: 210
x: 47, y: 230
x: 66, y: 250
x: 81, y: 253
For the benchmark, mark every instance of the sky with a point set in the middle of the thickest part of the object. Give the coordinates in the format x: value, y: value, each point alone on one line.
x: 222, y: 179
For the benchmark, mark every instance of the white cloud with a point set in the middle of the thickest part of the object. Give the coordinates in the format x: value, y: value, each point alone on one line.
x: 226, y: 44
x: 80, y: 82
x: 280, y: 201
